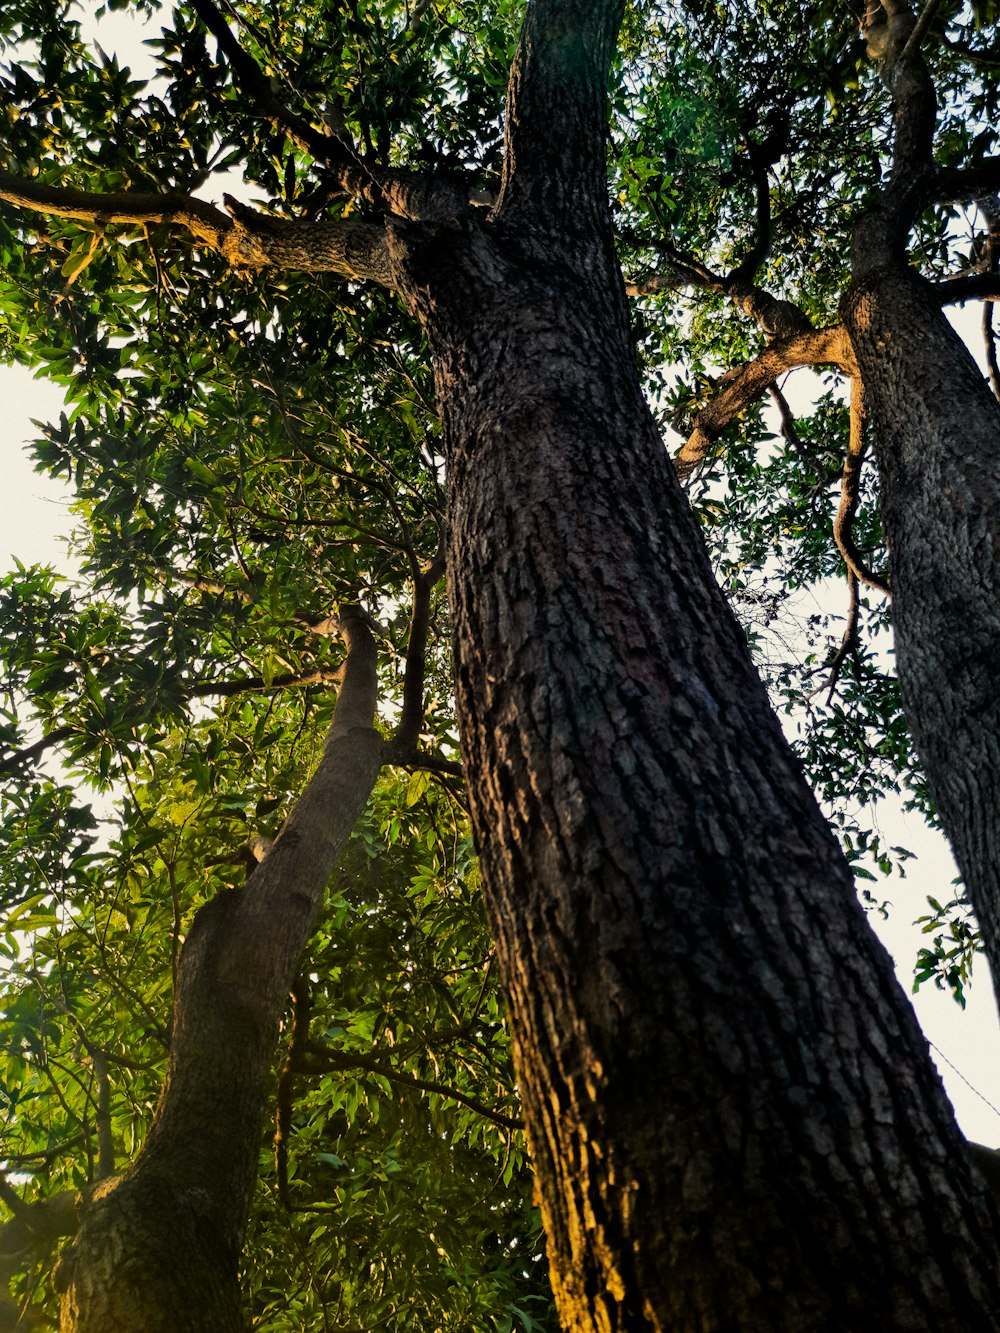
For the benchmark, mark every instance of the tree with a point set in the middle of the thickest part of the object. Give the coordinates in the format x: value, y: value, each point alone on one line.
x: 731, y: 1114
x: 930, y: 414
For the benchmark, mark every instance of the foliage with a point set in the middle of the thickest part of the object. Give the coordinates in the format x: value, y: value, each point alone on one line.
x: 249, y: 450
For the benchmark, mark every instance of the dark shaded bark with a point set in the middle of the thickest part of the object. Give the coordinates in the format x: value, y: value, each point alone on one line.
x: 936, y: 429
x: 158, y: 1247
x: 731, y: 1112
x: 732, y: 1115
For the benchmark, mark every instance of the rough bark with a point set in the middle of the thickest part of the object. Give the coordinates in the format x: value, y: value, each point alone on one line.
x: 937, y: 442
x: 732, y: 1116
x: 158, y: 1247
x: 730, y: 1108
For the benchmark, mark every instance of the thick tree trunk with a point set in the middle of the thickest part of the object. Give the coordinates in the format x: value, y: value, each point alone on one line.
x: 732, y: 1115
x: 158, y: 1247
x: 936, y: 428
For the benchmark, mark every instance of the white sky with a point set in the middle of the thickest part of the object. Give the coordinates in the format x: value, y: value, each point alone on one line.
x: 35, y: 519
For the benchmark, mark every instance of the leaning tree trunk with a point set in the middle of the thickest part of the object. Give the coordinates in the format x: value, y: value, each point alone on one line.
x: 936, y: 428
x: 731, y: 1111
x: 732, y: 1115
x: 158, y: 1248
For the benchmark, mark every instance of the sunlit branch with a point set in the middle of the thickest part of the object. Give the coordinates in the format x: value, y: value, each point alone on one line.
x: 850, y: 492
x: 243, y: 237
x: 741, y: 386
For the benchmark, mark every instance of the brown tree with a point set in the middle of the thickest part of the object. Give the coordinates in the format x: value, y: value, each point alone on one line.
x: 732, y: 1115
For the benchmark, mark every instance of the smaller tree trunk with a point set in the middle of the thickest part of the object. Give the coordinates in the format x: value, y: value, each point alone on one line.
x: 936, y: 430
x: 158, y: 1247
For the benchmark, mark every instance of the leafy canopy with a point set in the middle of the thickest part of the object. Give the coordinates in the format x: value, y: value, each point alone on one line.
x: 250, y: 449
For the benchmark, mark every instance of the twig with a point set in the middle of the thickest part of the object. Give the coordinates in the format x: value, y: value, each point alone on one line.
x: 848, y: 643
x: 321, y: 1059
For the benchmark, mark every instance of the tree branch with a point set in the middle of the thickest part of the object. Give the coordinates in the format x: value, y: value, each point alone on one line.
x: 226, y: 689
x: 432, y: 763
x: 321, y: 1059
x: 105, y: 1136
x: 223, y: 689
x: 777, y: 318
x: 411, y: 716
x: 555, y: 147
x: 243, y: 237
x: 13, y: 761
x: 237, y: 965
x: 739, y: 387
x: 880, y: 233
x: 849, y: 492
x: 746, y: 270
x: 848, y: 642
x: 406, y: 194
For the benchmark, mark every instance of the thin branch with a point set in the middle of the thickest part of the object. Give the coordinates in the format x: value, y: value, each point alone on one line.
x: 988, y: 58
x: 226, y: 689
x: 789, y: 431
x: 741, y: 386
x: 969, y: 286
x: 411, y: 715
x: 420, y: 759
x: 964, y: 184
x: 848, y: 643
x: 850, y: 491
x: 321, y: 1059
x: 323, y: 627
x: 406, y: 194
x: 222, y: 689
x: 747, y: 268
x: 17, y: 758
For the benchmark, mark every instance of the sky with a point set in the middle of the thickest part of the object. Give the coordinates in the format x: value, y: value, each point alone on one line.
x: 35, y: 519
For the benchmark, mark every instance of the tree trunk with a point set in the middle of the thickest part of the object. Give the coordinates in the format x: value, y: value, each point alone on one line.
x: 158, y: 1248
x: 936, y: 428
x: 732, y: 1115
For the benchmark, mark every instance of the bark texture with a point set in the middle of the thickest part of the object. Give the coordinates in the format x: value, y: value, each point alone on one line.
x: 733, y: 1119
x: 936, y: 429
x: 158, y: 1247
x: 732, y: 1115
